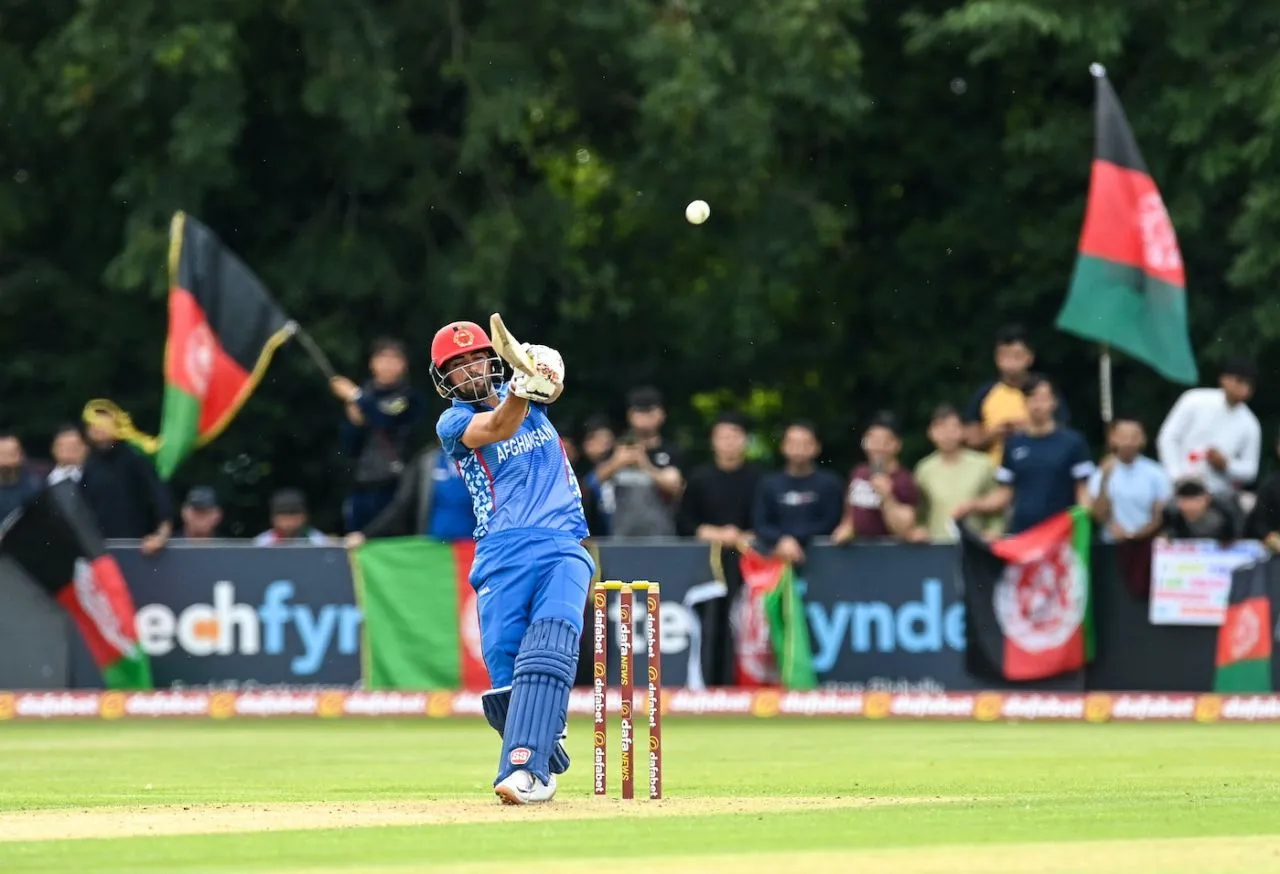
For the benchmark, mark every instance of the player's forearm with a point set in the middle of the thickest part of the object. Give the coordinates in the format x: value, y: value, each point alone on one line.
x: 506, y: 419
x: 498, y: 425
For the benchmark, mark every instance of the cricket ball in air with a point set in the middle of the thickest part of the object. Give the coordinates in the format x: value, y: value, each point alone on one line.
x: 697, y: 212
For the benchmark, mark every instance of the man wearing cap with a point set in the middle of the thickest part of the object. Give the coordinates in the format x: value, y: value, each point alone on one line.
x: 201, y: 514
x: 289, y: 521
x: 644, y: 471
x: 1212, y: 434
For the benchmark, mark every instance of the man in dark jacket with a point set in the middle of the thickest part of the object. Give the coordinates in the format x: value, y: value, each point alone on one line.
x: 718, y: 504
x: 123, y: 490
x: 799, y: 503
x: 377, y: 431
x: 431, y: 499
x: 1197, y: 514
x: 16, y: 482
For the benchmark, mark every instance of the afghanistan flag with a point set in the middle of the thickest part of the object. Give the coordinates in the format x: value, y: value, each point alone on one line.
x: 420, y: 625
x: 788, y: 628
x: 1128, y: 289
x: 1026, y: 600
x: 1244, y: 661
x: 56, y: 543
x: 223, y: 329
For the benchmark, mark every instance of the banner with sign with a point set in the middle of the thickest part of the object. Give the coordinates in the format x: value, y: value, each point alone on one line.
x: 1190, y: 579
x: 246, y: 615
x: 881, y: 618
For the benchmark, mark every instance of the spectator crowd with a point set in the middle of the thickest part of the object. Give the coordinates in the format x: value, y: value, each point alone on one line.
x: 1003, y: 462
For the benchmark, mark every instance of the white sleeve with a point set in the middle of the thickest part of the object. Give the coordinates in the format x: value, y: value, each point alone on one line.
x: 1242, y: 467
x: 1169, y: 440
x: 1095, y: 484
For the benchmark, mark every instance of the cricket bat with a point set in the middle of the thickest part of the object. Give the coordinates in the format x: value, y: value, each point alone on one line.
x: 508, y: 347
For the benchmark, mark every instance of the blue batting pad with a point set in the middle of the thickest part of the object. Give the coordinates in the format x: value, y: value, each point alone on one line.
x: 495, y: 704
x: 545, y: 669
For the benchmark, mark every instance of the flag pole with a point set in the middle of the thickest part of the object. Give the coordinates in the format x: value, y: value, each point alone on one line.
x: 314, y: 352
x: 1104, y: 384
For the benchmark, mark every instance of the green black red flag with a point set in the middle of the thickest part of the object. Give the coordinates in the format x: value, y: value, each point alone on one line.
x: 56, y: 543
x: 1245, y: 661
x: 1129, y: 287
x: 1026, y: 597
x: 223, y: 329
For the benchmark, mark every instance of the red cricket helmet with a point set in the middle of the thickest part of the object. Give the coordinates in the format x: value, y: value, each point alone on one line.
x: 459, y: 338
x: 456, y: 338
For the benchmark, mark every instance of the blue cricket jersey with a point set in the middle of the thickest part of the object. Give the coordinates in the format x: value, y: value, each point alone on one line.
x: 1043, y: 472
x: 525, y: 482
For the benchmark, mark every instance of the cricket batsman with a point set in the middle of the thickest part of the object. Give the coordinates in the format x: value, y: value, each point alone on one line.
x: 531, y: 572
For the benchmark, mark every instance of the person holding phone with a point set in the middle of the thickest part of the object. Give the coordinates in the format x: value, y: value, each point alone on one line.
x: 643, y: 472
x: 882, y: 497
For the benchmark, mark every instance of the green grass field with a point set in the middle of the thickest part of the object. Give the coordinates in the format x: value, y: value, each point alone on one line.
x: 743, y: 796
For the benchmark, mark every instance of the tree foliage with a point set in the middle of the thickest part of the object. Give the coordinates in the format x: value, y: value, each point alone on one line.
x: 888, y: 183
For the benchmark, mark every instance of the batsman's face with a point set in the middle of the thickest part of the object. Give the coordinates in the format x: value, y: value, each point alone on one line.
x: 469, y: 373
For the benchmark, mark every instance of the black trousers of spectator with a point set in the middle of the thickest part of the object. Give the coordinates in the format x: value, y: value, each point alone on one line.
x: 719, y: 667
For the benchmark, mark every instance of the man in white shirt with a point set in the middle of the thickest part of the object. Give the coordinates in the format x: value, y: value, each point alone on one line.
x: 1212, y: 434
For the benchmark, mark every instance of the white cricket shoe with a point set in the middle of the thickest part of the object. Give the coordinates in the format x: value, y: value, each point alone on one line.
x: 521, y: 787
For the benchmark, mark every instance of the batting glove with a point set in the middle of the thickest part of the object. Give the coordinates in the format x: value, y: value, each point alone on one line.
x: 550, y: 363
x: 533, y: 388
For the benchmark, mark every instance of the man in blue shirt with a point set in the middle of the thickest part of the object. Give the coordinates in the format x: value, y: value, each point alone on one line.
x: 531, y: 572
x: 1130, y: 491
x: 1045, y: 469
